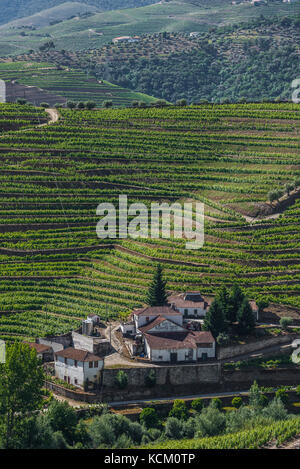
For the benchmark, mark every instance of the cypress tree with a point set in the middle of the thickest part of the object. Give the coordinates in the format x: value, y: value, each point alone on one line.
x: 236, y: 299
x: 215, y: 319
x: 157, y: 295
x: 223, y: 296
x: 245, y: 318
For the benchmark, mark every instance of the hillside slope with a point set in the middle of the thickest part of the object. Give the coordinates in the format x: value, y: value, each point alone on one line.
x: 14, y: 9
x: 53, y: 268
x: 53, y: 15
x: 100, y: 29
x: 57, y: 85
x: 253, y: 61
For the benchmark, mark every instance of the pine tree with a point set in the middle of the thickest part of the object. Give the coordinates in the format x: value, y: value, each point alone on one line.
x: 157, y: 295
x: 236, y: 299
x: 245, y: 318
x: 215, y: 319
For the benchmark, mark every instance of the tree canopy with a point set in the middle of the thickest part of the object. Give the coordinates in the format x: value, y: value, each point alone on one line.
x: 21, y: 381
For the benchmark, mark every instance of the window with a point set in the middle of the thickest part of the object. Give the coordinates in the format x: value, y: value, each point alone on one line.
x: 195, y: 311
x: 76, y: 381
x: 95, y: 364
x: 65, y: 378
x: 90, y: 364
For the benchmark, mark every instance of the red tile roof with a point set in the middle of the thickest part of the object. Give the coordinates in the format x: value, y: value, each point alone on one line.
x: 79, y: 355
x: 180, y: 340
x: 156, y: 311
x: 253, y: 306
x: 179, y: 302
x: 40, y: 348
x: 155, y: 322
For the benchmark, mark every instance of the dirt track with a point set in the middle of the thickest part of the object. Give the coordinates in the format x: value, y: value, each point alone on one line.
x: 54, y: 116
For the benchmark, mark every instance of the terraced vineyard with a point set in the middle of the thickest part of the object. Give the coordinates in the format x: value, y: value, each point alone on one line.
x: 274, y: 435
x: 53, y: 268
x: 14, y: 117
x: 68, y: 83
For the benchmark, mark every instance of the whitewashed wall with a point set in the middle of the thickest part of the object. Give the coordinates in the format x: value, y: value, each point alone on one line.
x: 81, y: 372
x: 198, y: 312
x: 2, y: 91
x: 211, y: 352
x: 141, y: 320
x: 167, y: 326
x: 127, y: 328
x: 165, y: 355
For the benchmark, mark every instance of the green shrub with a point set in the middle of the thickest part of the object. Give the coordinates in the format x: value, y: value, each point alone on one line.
x: 111, y: 430
x: 107, y: 104
x: 264, y: 400
x: 223, y: 339
x: 237, y: 402
x: 90, y: 105
x: 283, y: 396
x: 149, y: 417
x: 216, y: 403
x: 122, y: 379
x: 210, y: 422
x: 188, y: 428
x: 179, y: 410
x: 285, y: 322
x: 197, y: 405
x: 174, y: 428
x: 181, y: 102
x: 71, y: 104
x: 150, y: 379
x: 275, y: 410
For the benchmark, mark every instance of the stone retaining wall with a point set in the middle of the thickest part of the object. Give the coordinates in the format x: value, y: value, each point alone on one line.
x: 236, y: 350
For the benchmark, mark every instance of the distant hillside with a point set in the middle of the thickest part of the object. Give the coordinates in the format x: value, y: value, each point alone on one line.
x: 174, y: 16
x: 14, y: 9
x: 45, y: 83
x: 54, y: 15
x: 255, y: 61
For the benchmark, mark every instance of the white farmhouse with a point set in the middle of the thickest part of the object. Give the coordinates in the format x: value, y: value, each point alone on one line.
x: 128, y: 328
x: 160, y: 334
x: 77, y: 366
x: 143, y: 316
x: 190, y: 304
x: 166, y: 341
x: 128, y: 39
